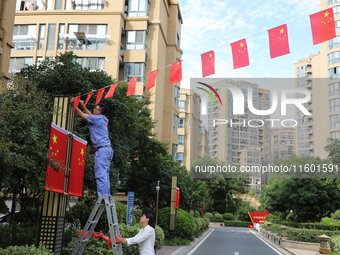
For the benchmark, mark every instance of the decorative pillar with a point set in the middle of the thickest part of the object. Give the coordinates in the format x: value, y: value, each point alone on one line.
x: 172, y: 232
x: 284, y: 231
x: 269, y: 226
x: 324, y: 245
x: 52, y: 219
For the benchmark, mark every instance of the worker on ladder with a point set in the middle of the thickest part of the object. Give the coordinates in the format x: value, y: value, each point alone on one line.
x: 99, y: 134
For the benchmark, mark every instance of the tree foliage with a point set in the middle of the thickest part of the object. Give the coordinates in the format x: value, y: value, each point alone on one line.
x: 310, y: 199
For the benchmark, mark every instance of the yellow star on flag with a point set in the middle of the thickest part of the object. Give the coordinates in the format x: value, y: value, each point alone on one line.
x: 241, y: 44
x: 54, y: 138
x: 82, y: 151
x: 281, y: 31
x: 326, y: 14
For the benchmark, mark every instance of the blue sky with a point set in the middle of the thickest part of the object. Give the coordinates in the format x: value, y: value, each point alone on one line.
x: 214, y: 24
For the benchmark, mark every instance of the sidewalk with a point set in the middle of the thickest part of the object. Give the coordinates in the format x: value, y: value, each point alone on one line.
x: 183, y: 250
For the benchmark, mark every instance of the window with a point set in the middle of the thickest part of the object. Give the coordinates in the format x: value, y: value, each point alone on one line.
x: 333, y: 57
x: 176, y: 95
x: 334, y: 105
x: 334, y: 43
x: 181, y: 140
x: 329, y: 2
x: 85, y: 4
x: 174, y: 151
x: 175, y: 124
x: 15, y: 64
x: 60, y: 38
x: 334, y: 89
x: 336, y: 11
x: 136, y: 40
x: 181, y: 123
x: 180, y: 157
x: 334, y: 120
x: 182, y: 105
x: 334, y: 73
x: 29, y: 5
x: 138, y: 8
x: 41, y: 42
x: 23, y: 37
x: 134, y: 69
x: 335, y: 135
x: 95, y: 37
x: 51, y: 36
x: 92, y: 63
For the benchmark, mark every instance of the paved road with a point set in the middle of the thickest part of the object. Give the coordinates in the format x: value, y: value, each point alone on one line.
x: 233, y: 241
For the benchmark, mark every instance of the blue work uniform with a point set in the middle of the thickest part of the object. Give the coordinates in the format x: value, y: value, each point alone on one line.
x: 99, y: 134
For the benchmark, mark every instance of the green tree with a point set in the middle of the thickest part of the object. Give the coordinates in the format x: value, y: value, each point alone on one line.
x: 219, y: 187
x: 24, y: 116
x: 309, y: 198
x: 333, y: 149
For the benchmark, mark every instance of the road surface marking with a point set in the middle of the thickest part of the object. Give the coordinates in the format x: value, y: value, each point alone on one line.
x: 236, y: 253
x: 195, y: 248
x: 271, y: 247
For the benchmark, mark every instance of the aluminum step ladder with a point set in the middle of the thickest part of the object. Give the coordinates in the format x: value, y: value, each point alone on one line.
x: 103, y: 202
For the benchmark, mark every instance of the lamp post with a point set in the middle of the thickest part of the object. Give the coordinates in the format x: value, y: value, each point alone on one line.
x: 157, y: 191
x: 226, y: 203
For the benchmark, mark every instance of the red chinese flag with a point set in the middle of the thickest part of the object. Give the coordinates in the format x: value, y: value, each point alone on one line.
x: 76, y: 102
x: 278, y: 41
x: 132, y: 86
x: 322, y: 25
x: 176, y: 72
x: 89, y: 95
x: 208, y: 63
x: 111, y: 91
x: 152, y: 78
x: 78, y: 156
x: 99, y: 95
x: 55, y: 171
x: 240, y: 53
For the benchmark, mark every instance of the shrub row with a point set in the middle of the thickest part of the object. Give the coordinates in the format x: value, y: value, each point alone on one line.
x: 303, y: 234
x: 321, y: 226
x: 233, y: 223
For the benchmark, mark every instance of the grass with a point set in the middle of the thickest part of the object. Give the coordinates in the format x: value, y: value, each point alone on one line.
x: 177, y: 242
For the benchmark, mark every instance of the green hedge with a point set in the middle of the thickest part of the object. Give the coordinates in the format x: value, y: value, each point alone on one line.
x: 331, y: 226
x: 302, y: 234
x: 233, y: 223
x: 185, y: 224
x: 25, y: 250
x: 99, y: 246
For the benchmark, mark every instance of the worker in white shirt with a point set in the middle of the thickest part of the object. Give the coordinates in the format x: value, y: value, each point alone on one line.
x: 146, y: 236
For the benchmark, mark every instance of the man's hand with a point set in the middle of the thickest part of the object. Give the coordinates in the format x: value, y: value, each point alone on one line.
x: 81, y: 103
x: 71, y: 100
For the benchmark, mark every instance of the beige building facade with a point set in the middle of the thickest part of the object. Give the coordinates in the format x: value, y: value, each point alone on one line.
x: 282, y: 143
x: 126, y: 38
x: 192, y: 136
x: 243, y: 140
x: 7, y: 12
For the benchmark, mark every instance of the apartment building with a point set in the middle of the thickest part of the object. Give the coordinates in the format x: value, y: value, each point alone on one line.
x: 282, y: 143
x: 192, y: 136
x: 126, y: 38
x: 245, y: 139
x: 7, y: 12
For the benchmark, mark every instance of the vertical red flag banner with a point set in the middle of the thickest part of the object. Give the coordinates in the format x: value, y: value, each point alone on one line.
x: 278, y: 41
x: 152, y: 78
x: 55, y: 171
x: 208, y: 63
x: 89, y: 95
x: 77, y: 165
x: 239, y: 51
x: 111, y: 91
x: 176, y: 72
x: 76, y: 102
x: 177, y: 197
x: 322, y: 25
x: 99, y: 95
x: 132, y: 86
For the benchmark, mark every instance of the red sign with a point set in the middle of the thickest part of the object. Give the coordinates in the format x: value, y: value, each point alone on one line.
x: 258, y: 217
